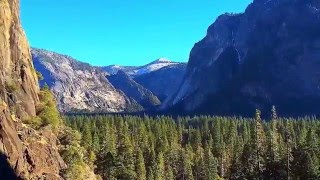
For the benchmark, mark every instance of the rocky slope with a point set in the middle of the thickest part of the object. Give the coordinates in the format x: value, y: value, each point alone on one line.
x: 134, y: 90
x: 163, y: 82
x: 79, y: 86
x: 162, y: 76
x: 269, y: 55
x: 25, y: 153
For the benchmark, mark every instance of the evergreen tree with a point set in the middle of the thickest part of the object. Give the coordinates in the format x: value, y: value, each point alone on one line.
x: 216, y: 138
x: 125, y: 160
x: 201, y: 147
x: 95, y: 142
x: 74, y: 125
x: 211, y: 165
x: 86, y: 136
x: 140, y: 165
x: 273, y: 163
x: 288, y: 141
x: 274, y: 115
x: 199, y: 164
x: 169, y: 173
x: 186, y: 171
x: 259, y: 144
x: 160, y: 168
x: 248, y: 168
x: 150, y: 174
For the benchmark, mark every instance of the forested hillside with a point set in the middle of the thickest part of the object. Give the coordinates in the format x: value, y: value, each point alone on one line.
x: 206, y: 147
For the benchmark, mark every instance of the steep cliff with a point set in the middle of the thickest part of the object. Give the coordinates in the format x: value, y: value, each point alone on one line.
x: 79, y: 86
x: 268, y: 55
x: 30, y: 154
x: 18, y: 79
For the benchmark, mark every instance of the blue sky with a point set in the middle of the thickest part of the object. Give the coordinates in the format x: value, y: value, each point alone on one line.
x: 124, y: 32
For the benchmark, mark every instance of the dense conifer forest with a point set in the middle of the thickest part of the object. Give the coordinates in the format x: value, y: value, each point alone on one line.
x: 202, y: 147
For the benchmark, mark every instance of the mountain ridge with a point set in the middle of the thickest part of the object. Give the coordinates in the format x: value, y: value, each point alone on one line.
x: 80, y: 87
x: 140, y: 70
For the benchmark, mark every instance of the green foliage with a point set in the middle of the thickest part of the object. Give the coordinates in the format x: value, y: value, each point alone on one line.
x: 186, y: 159
x: 35, y: 122
x: 87, y: 137
x: 211, y: 165
x: 159, y: 171
x: 95, y: 142
x: 205, y: 147
x: 47, y: 110
x: 73, y: 155
x: 11, y: 86
x: 39, y: 75
x: 140, y: 167
x: 124, y: 158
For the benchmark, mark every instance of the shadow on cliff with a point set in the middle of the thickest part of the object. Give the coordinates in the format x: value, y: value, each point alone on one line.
x: 6, y: 171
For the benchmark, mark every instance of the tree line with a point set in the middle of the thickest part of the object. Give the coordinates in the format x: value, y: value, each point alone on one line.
x: 201, y: 147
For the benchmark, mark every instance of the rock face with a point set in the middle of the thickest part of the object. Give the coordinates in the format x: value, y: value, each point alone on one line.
x: 163, y: 82
x: 269, y: 55
x: 134, y: 90
x: 79, y: 86
x: 25, y: 153
x: 17, y: 74
x: 162, y: 76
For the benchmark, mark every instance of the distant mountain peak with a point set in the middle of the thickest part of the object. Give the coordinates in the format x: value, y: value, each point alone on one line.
x: 162, y: 60
x: 139, y: 70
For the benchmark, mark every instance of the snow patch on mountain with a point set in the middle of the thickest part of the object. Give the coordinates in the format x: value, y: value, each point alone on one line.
x: 154, y: 66
x: 140, y: 70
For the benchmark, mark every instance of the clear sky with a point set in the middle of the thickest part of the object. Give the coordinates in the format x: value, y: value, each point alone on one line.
x: 124, y: 32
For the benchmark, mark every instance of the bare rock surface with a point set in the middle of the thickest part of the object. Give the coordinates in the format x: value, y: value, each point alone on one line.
x: 79, y: 86
x: 25, y: 153
x: 268, y: 55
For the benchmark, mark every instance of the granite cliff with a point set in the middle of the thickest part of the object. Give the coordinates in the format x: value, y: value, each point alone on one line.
x: 79, y: 86
x: 268, y: 55
x: 25, y: 153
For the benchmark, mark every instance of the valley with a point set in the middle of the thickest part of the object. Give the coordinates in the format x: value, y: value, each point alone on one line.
x: 245, y: 62
x: 246, y: 105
